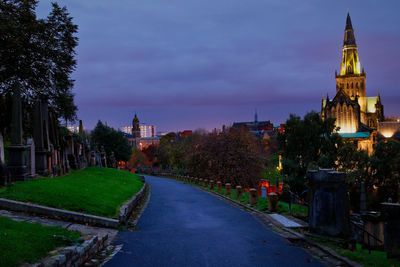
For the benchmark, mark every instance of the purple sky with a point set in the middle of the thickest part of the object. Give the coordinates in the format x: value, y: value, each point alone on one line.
x: 187, y: 64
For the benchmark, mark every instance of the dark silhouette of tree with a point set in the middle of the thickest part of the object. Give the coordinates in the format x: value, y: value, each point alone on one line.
x: 39, y: 54
x: 112, y: 141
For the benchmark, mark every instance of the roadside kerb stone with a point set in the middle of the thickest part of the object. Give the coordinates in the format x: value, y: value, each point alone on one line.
x: 238, y: 191
x: 219, y: 186
x: 126, y: 209
x: 253, y: 196
x: 228, y: 189
x: 211, y: 184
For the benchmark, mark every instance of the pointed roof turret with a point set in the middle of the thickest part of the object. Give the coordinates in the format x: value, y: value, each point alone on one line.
x: 135, y: 120
x: 349, y: 38
x: 348, y: 22
x: 350, y: 62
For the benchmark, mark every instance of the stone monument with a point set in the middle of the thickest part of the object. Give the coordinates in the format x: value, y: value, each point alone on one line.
x: 2, y: 159
x: 16, y: 151
x: 39, y: 138
x: 328, y: 208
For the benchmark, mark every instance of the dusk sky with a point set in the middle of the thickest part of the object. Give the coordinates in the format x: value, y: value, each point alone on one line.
x: 188, y: 64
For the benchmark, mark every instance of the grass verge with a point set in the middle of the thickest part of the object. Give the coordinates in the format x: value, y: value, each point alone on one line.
x: 94, y: 190
x: 23, y: 242
x: 360, y: 255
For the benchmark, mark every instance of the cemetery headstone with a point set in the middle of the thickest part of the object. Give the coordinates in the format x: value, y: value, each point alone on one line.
x: 31, y: 157
x: 328, y: 208
x: 392, y: 229
x: 38, y: 135
x: 2, y: 159
x: 16, y: 151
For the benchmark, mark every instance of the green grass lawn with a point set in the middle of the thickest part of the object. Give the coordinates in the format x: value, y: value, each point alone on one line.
x: 22, y: 242
x: 361, y: 256
x: 94, y: 190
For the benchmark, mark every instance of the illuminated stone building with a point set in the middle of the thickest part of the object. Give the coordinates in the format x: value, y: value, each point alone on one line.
x: 136, y: 131
x: 357, y: 115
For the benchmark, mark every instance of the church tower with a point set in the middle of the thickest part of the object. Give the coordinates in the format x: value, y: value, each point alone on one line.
x: 352, y: 78
x: 136, y: 131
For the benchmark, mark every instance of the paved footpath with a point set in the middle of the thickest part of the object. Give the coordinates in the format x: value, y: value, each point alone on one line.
x: 184, y: 226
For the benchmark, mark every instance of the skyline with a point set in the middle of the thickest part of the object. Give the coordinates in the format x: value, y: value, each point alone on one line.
x: 188, y: 66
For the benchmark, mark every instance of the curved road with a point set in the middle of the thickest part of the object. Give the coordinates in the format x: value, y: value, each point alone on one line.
x: 184, y: 226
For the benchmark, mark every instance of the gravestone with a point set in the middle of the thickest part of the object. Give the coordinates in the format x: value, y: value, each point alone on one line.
x: 31, y: 158
x: 328, y: 208
x: 92, y: 158
x: 16, y: 151
x: 392, y: 229
x: 38, y: 136
x: 2, y: 159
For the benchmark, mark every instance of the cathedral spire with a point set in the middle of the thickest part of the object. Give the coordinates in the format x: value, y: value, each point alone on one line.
x: 349, y: 38
x: 350, y: 62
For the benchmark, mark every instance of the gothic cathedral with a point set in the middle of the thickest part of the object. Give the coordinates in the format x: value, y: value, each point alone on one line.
x: 356, y: 114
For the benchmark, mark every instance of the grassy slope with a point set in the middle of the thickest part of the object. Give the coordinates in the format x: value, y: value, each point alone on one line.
x: 94, y: 190
x: 22, y: 242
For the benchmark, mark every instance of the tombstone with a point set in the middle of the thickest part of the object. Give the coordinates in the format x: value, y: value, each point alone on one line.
x: 2, y: 159
x: 374, y: 223
x: 16, y: 151
x: 31, y: 158
x: 39, y: 138
x: 92, y: 158
x: 392, y: 229
x: 363, y: 199
x: 103, y: 157
x: 328, y: 208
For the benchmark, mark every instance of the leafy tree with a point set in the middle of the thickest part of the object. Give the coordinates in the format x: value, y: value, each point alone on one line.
x: 112, y: 141
x: 39, y: 54
x: 385, y: 169
x: 138, y: 158
x: 307, y: 143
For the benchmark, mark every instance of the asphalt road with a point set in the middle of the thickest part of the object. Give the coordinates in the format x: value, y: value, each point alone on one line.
x: 184, y: 226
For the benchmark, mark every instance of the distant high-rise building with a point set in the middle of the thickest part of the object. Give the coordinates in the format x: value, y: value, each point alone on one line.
x: 145, y: 130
